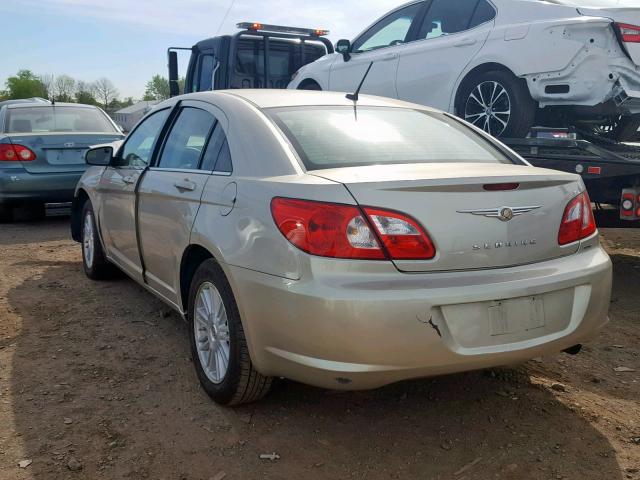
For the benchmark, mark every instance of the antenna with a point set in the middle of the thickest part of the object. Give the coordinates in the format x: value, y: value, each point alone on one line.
x: 354, y: 96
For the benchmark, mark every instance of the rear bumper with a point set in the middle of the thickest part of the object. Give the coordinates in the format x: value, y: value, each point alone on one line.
x: 19, y: 187
x: 340, y: 329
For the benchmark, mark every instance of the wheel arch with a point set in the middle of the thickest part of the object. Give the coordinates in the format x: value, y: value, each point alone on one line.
x: 473, y: 73
x: 309, y: 82
x: 192, y: 258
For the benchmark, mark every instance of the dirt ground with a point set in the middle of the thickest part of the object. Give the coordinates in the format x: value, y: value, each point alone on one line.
x: 96, y: 381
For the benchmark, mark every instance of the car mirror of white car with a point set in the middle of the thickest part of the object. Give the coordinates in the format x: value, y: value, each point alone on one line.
x: 99, y: 156
x: 344, y: 47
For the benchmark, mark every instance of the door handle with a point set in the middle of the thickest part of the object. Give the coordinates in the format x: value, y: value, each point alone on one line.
x: 185, y: 185
x: 465, y: 42
x: 389, y: 56
x: 129, y: 179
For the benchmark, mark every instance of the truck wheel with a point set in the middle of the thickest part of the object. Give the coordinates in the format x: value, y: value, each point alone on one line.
x: 218, y: 345
x: 96, y: 266
x: 497, y: 102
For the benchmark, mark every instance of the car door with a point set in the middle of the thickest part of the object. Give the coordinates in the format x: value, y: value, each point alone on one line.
x: 381, y: 44
x: 117, y: 190
x: 169, y: 195
x: 451, y: 33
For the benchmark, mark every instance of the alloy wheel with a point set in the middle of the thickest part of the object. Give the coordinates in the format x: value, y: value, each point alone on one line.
x: 211, y: 330
x: 489, y: 107
x: 88, y: 239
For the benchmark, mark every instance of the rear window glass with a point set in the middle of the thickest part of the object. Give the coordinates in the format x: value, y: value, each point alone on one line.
x: 332, y: 137
x: 56, y: 119
x: 285, y: 58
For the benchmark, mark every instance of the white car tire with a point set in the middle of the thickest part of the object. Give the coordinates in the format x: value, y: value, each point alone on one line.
x: 497, y: 102
x: 94, y: 262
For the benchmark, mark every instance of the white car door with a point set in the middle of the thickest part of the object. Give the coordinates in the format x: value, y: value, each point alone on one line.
x: 450, y: 36
x: 382, y: 44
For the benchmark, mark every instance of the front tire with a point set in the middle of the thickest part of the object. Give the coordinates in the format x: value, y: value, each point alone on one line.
x: 218, y: 344
x: 95, y: 264
x: 497, y: 102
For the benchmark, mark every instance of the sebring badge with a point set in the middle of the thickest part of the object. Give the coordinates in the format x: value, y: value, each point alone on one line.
x: 502, y: 213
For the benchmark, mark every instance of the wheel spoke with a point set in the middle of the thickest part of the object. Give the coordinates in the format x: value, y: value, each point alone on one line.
x: 475, y: 99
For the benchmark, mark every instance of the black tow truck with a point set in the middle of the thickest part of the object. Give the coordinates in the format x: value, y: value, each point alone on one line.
x: 257, y: 56
x: 266, y: 56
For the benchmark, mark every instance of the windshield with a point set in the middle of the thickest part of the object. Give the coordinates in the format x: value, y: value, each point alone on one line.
x: 332, y: 137
x: 597, y: 3
x: 48, y: 119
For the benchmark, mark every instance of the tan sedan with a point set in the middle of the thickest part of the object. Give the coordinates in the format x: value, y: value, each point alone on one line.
x: 345, y: 245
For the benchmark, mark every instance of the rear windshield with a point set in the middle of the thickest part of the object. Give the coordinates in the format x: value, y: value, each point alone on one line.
x: 597, y: 3
x: 333, y: 137
x: 285, y: 58
x: 47, y: 119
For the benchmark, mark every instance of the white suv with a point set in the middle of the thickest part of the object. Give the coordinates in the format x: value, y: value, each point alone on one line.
x: 501, y: 64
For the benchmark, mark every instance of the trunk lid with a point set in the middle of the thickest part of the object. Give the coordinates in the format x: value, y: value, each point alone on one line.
x: 628, y: 15
x: 441, y: 197
x: 59, y: 152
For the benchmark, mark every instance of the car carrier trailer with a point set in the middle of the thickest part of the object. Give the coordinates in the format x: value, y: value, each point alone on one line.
x: 610, y: 170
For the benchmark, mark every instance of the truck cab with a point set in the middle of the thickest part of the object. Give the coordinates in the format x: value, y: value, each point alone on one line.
x: 258, y: 56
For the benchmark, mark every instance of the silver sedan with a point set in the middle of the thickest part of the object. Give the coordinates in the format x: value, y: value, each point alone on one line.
x: 342, y: 244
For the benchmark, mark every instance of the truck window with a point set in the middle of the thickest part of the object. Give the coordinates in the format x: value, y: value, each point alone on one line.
x: 205, y: 77
x: 285, y: 57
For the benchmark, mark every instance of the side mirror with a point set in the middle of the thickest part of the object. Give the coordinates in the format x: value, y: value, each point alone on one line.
x: 99, y: 156
x: 174, y: 87
x: 344, y: 47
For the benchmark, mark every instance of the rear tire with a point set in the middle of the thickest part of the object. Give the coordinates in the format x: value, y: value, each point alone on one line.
x: 96, y: 266
x: 218, y: 344
x: 497, y: 102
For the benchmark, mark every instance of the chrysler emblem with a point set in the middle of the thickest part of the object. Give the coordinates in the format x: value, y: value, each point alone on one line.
x: 501, y: 213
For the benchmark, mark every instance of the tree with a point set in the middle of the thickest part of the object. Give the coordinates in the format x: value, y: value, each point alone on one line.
x: 157, y: 88
x: 105, y: 92
x: 85, y: 93
x: 25, y: 84
x: 64, y: 87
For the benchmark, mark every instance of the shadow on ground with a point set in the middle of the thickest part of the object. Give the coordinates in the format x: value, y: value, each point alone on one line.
x: 102, y: 374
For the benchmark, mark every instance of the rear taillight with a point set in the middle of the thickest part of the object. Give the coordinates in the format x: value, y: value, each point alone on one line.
x: 346, y: 231
x: 629, y: 33
x: 577, y: 221
x: 402, y: 236
x: 15, y: 153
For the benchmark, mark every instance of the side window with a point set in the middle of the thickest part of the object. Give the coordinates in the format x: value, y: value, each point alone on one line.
x: 137, y: 150
x: 207, y: 63
x: 446, y: 17
x: 224, y: 159
x: 184, y: 144
x: 483, y: 14
x: 217, y: 156
x: 392, y: 30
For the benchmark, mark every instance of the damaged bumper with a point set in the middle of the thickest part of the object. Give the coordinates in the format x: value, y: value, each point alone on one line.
x: 342, y: 329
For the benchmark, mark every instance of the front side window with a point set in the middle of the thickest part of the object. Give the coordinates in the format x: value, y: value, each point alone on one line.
x: 54, y: 119
x: 446, y: 17
x: 184, y: 144
x: 137, y: 150
x: 334, y: 137
x: 392, y: 30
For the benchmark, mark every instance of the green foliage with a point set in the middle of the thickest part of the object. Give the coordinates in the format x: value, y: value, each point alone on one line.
x: 157, y: 88
x: 25, y: 84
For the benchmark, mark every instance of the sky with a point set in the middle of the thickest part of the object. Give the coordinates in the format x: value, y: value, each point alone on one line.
x: 126, y: 40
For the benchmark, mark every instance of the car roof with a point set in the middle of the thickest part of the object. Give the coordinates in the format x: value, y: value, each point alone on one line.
x: 273, y: 98
x: 47, y: 105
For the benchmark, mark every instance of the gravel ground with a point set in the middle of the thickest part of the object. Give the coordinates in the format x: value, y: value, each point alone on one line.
x: 96, y: 381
